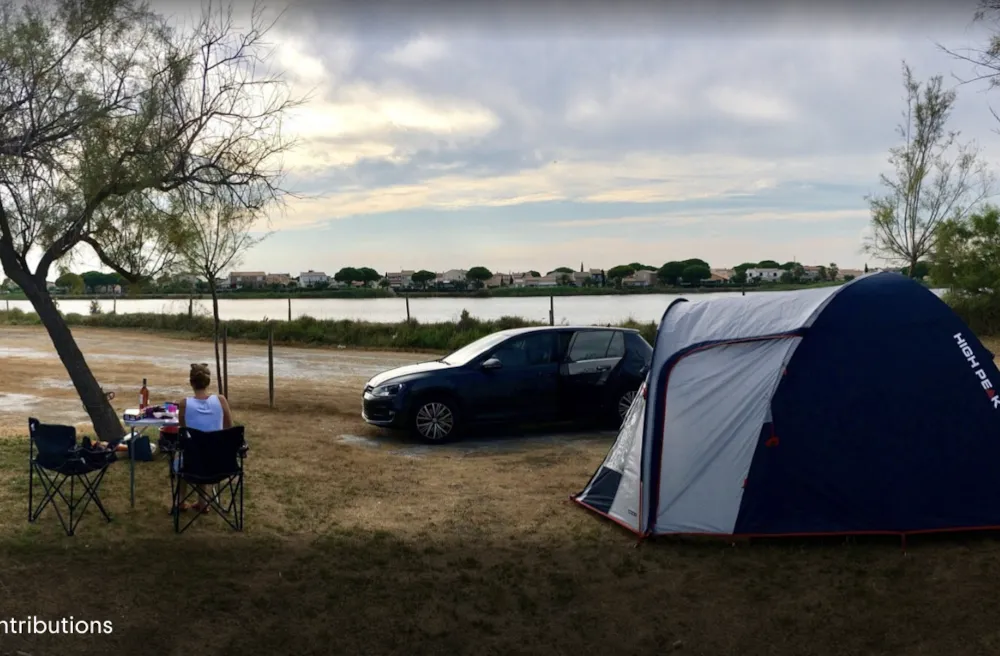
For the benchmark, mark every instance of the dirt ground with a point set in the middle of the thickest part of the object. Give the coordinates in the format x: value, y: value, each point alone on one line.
x: 360, y: 544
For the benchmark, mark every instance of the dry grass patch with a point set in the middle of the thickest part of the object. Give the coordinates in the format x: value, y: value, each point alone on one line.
x: 353, y: 549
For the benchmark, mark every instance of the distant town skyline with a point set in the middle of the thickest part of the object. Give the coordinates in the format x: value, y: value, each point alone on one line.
x: 436, y: 142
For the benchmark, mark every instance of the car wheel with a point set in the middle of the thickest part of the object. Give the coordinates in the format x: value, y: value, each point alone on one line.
x: 435, y: 421
x: 624, y: 403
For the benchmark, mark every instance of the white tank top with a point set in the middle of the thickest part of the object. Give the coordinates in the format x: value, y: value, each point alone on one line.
x: 203, y: 414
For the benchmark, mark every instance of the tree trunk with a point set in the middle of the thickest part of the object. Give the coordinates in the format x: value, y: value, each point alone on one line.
x: 913, y: 267
x: 216, y: 322
x: 102, y: 415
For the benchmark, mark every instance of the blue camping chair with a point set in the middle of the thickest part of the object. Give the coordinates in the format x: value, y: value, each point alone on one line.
x: 55, y: 457
x: 210, y: 459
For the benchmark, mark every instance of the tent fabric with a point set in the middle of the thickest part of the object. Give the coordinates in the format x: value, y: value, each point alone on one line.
x: 868, y: 407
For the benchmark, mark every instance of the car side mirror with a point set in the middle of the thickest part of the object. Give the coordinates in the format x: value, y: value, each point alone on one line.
x: 492, y: 363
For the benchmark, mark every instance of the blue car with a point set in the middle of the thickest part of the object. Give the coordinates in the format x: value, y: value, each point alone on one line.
x: 519, y: 376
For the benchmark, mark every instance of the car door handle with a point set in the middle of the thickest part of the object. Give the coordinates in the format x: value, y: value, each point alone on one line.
x: 602, y: 368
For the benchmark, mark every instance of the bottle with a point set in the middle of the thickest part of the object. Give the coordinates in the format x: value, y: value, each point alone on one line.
x: 143, y: 396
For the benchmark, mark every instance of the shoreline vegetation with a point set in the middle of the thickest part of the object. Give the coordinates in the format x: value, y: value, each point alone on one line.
x: 306, y: 331
x: 982, y: 317
x: 499, y: 292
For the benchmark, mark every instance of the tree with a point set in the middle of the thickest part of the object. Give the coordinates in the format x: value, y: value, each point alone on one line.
x: 348, y: 276
x: 933, y: 179
x: 564, y: 279
x: 696, y: 262
x: 368, y: 275
x: 619, y: 273
x: 534, y: 274
x: 832, y: 271
x: 695, y: 273
x: 105, y: 108
x: 561, y: 270
x: 478, y: 275
x: 423, y: 277
x: 739, y: 276
x: 71, y: 282
x: 821, y: 273
x: 967, y: 257
x: 214, y: 233
x: 636, y: 266
x: 670, y: 273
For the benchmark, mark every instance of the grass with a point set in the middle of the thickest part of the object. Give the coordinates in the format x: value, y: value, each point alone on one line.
x: 306, y: 331
x: 354, y: 550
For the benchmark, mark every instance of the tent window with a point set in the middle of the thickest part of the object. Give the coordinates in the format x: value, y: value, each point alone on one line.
x: 590, y: 345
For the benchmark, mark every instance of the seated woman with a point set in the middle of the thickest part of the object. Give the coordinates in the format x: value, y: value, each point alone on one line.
x: 204, y: 412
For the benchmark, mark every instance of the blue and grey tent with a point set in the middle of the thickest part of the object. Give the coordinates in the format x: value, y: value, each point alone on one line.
x: 864, y: 408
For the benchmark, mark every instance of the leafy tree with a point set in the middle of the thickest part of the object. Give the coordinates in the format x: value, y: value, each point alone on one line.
x: 832, y: 271
x: 767, y: 264
x: 921, y: 271
x: 348, y: 276
x: 739, y: 276
x: 787, y: 278
x: 789, y: 266
x: 848, y: 278
x: 821, y: 273
x: 670, y: 273
x: 383, y: 283
x: 620, y: 272
x: 562, y: 270
x: 695, y: 273
x: 933, y: 179
x: 71, y: 282
x: 636, y: 266
x: 106, y: 108
x: 967, y: 257
x: 478, y: 275
x: 368, y: 275
x: 534, y: 274
x: 564, y: 279
x: 696, y: 262
x: 423, y: 277
x: 212, y: 234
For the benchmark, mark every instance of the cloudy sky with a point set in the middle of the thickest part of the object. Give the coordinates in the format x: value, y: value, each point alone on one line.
x: 537, y: 135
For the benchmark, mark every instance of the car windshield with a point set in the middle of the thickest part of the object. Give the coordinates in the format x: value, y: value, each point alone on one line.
x: 471, y: 351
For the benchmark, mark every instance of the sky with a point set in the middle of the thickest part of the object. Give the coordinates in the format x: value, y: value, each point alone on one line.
x: 532, y: 135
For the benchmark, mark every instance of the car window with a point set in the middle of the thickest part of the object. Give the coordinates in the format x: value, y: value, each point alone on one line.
x: 590, y: 345
x: 527, y: 351
x: 617, y: 348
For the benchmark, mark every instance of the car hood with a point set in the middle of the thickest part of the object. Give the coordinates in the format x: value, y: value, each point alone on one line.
x: 407, y: 370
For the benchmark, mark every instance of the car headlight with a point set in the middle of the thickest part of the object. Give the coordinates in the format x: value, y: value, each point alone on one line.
x: 387, y: 390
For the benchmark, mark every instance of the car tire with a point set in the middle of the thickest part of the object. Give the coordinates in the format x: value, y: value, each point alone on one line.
x: 435, y: 420
x: 620, y: 404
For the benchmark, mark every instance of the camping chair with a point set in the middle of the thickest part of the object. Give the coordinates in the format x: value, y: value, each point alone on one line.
x: 55, y: 457
x: 209, y: 459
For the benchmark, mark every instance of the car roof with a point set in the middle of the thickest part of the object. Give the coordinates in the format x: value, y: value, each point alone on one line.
x: 531, y: 329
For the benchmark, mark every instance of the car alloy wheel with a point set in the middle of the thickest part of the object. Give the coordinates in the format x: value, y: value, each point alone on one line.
x: 435, y: 421
x: 624, y: 403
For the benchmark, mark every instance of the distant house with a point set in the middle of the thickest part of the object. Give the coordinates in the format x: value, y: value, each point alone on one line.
x: 550, y: 280
x: 811, y: 272
x: 400, y: 279
x: 843, y: 273
x: 722, y: 275
x: 451, y: 276
x: 765, y: 275
x: 250, y: 279
x: 282, y: 279
x: 312, y: 278
x: 642, y: 278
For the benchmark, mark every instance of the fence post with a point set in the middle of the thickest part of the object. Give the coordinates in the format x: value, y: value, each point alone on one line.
x: 270, y: 365
x: 225, y: 360
x: 552, y: 311
x: 114, y: 305
x: 289, y: 309
x: 407, y: 298
x: 190, y: 307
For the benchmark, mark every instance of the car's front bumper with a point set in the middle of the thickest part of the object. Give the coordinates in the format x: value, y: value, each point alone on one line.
x: 385, y: 412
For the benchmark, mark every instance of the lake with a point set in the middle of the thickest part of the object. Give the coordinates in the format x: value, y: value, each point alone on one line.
x: 571, y: 309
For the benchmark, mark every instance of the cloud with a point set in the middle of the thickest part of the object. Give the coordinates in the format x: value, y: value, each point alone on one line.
x: 418, y: 53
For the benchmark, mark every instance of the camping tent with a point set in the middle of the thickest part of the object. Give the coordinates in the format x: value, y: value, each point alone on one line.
x: 864, y: 408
